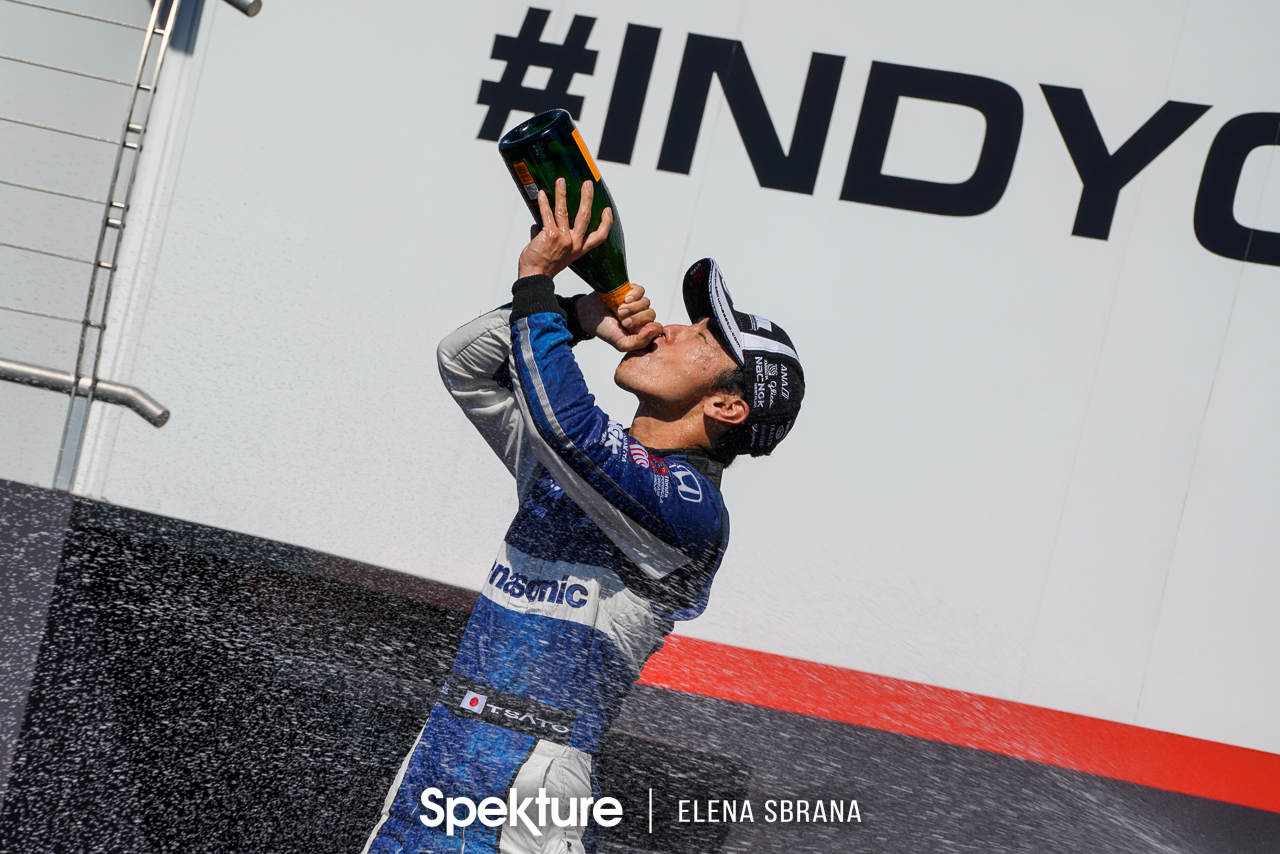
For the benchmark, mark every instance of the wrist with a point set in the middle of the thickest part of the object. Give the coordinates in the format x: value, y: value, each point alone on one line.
x: 533, y: 295
x: 525, y: 271
x: 577, y: 328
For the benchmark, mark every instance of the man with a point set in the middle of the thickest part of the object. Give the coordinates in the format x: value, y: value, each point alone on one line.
x: 618, y: 533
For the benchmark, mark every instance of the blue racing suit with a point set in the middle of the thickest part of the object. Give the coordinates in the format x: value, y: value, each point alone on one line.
x: 611, y: 543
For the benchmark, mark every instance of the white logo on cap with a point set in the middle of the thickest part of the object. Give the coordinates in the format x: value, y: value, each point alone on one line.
x: 768, y: 345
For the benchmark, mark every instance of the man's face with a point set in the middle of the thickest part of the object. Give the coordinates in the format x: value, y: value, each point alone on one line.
x: 676, y: 371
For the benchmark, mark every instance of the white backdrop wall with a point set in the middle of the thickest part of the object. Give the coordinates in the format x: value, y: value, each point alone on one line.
x: 1031, y: 465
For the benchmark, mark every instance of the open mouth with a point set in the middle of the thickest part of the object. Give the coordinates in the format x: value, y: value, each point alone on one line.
x: 643, y: 351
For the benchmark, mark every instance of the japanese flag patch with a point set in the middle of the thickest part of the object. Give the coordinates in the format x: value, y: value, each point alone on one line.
x: 473, y: 702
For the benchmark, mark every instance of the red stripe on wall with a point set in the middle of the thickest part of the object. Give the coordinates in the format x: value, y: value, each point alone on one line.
x: 1148, y: 757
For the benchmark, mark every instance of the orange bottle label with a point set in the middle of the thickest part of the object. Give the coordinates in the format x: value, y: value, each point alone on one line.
x: 614, y: 298
x: 582, y: 146
x: 526, y: 179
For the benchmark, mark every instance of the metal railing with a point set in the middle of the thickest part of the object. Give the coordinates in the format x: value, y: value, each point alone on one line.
x: 83, y: 384
x: 67, y: 383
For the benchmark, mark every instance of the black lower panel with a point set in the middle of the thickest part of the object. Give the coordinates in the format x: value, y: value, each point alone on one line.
x: 197, y: 690
x: 200, y: 690
x: 918, y: 796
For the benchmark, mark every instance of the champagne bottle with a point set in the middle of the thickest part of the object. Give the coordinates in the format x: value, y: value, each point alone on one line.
x: 546, y: 147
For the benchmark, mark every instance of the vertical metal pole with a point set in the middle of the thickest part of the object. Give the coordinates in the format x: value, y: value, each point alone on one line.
x: 113, y: 218
x: 72, y: 437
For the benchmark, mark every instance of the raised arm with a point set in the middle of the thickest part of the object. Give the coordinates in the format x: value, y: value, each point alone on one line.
x: 473, y: 363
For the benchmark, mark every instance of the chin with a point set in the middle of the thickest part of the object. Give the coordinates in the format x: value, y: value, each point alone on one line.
x: 632, y: 374
x: 622, y: 376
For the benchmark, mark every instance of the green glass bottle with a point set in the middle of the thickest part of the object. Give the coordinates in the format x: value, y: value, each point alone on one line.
x: 546, y: 147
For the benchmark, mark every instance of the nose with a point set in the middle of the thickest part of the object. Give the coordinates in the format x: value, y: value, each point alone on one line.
x: 672, y: 331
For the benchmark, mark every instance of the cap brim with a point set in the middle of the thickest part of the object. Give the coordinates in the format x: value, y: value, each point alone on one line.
x: 705, y: 296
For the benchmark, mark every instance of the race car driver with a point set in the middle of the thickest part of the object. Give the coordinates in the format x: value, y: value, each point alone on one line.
x: 618, y: 532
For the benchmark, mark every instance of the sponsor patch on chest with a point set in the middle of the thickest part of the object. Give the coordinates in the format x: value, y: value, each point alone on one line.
x: 562, y: 591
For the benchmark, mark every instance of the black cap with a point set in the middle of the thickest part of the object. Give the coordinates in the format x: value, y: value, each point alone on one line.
x: 775, y: 380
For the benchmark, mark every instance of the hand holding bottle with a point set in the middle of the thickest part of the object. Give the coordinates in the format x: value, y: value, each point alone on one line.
x: 554, y: 245
x: 634, y: 327
x: 545, y: 153
x: 557, y: 244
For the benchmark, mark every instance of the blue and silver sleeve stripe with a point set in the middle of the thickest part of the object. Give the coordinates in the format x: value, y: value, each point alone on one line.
x: 564, y: 418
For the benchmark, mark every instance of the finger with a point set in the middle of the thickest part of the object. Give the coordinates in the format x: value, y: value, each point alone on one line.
x: 634, y: 302
x: 638, y: 319
x: 644, y: 316
x: 583, y: 219
x: 630, y: 309
x: 633, y: 305
x: 544, y: 208
x: 601, y: 234
x: 562, y: 205
x: 645, y: 336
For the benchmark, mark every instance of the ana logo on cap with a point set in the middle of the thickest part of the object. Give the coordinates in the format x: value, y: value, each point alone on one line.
x: 775, y: 379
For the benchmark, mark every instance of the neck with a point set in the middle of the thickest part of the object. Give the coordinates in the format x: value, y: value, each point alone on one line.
x: 656, y: 429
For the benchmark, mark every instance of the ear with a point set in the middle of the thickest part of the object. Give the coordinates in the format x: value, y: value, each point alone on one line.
x: 725, y: 408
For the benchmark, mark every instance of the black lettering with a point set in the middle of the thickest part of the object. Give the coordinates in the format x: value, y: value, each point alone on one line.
x: 999, y: 104
x: 519, y: 52
x: 1104, y: 174
x: 1215, y: 222
x: 630, y: 86
x: 795, y: 171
